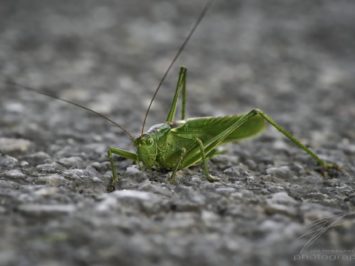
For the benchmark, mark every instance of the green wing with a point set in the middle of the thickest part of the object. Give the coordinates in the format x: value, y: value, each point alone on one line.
x: 206, y: 128
x: 183, y: 134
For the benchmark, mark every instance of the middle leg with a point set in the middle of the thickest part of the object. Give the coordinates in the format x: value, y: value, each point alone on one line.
x: 205, y: 162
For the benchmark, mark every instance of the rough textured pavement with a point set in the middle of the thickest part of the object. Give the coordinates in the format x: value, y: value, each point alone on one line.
x: 293, y: 59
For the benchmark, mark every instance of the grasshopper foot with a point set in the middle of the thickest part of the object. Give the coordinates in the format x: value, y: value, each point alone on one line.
x: 172, y: 180
x: 329, y: 169
x: 112, y: 185
x: 212, y: 178
x: 110, y: 188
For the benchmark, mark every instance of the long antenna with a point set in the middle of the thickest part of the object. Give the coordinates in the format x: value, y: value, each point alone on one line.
x: 182, y: 47
x: 12, y: 83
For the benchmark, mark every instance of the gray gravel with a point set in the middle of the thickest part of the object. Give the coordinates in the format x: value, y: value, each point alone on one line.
x: 293, y: 59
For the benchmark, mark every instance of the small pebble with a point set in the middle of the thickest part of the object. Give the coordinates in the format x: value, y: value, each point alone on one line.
x: 15, y: 173
x: 133, y: 169
x: 14, y: 145
x: 40, y: 155
x: 75, y: 173
x: 225, y: 190
x: 43, y: 208
x: 281, y: 202
x: 281, y: 172
x: 8, y: 161
x: 282, y: 197
x: 53, y: 180
x: 48, y: 167
x: 71, y: 161
x: 14, y: 107
x: 24, y: 163
x: 106, y: 205
x: 134, y: 194
x: 46, y: 191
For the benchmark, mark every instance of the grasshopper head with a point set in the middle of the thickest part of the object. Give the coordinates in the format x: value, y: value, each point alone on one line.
x: 146, y: 150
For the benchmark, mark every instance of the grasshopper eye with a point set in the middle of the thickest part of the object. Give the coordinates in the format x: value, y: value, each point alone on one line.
x: 149, y: 141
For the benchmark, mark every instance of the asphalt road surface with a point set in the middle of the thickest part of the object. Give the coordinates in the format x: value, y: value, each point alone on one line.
x: 272, y: 206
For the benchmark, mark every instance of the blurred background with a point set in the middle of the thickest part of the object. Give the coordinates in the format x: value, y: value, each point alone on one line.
x: 278, y: 55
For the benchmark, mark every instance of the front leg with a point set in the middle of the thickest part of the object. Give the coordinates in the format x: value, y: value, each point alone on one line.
x: 125, y: 154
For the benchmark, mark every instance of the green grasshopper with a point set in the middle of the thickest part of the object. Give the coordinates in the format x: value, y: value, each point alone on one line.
x: 178, y: 144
